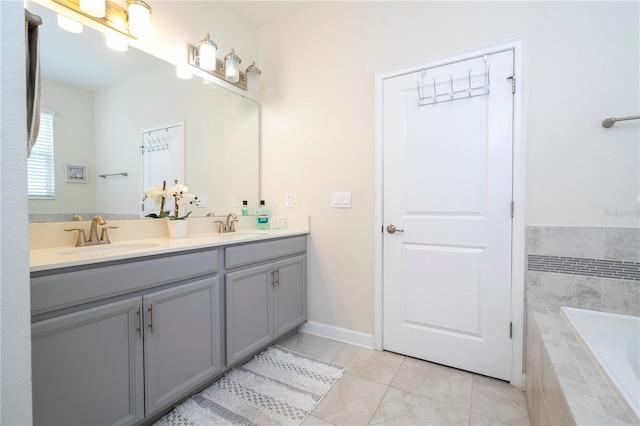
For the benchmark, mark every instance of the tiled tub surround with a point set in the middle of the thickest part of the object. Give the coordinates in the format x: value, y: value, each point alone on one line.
x: 564, y: 385
x: 591, y: 268
x: 616, y: 269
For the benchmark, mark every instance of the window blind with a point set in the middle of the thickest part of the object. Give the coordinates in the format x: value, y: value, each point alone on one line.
x: 41, y: 183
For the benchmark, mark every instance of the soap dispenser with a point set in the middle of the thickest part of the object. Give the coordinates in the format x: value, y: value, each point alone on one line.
x: 262, y: 214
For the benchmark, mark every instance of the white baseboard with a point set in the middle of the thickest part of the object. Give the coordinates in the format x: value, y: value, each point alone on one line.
x: 336, y: 333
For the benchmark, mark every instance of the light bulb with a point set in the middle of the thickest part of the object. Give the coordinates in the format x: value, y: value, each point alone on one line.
x: 253, y: 78
x: 69, y: 24
x: 96, y: 8
x: 207, y: 54
x: 139, y: 18
x: 231, y: 67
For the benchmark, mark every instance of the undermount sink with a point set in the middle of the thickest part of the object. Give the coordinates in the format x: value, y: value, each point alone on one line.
x: 106, y: 249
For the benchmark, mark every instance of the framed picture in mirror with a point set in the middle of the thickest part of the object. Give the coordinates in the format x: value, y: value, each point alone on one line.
x: 75, y: 174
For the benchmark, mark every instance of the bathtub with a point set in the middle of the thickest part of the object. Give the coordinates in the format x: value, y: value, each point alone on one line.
x: 614, y: 340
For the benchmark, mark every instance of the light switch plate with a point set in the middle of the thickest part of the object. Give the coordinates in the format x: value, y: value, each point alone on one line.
x: 202, y: 201
x: 234, y: 201
x: 288, y: 200
x: 341, y: 200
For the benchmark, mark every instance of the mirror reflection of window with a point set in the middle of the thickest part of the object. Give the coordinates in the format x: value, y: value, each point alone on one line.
x: 41, y: 184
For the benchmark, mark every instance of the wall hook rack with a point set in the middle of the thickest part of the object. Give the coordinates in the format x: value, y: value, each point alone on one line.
x: 468, y: 92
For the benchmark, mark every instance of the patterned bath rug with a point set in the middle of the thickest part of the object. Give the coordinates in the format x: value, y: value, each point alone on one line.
x: 277, y: 387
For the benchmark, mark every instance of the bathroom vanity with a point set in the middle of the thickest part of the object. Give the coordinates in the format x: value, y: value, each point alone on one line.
x: 120, y: 339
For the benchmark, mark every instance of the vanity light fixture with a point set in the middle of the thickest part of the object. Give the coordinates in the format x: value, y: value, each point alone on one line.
x: 207, y: 54
x: 253, y: 78
x: 69, y: 24
x: 139, y: 18
x: 95, y: 8
x: 232, y: 67
x: 133, y: 22
x: 228, y: 70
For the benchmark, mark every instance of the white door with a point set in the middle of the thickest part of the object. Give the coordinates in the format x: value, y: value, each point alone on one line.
x: 448, y: 190
x: 162, y: 160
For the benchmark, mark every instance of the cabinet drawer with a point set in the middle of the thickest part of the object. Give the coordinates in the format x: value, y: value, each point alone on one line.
x: 51, y: 292
x: 263, y: 251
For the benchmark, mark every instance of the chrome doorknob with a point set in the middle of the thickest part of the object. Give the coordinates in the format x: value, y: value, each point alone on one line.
x: 392, y: 229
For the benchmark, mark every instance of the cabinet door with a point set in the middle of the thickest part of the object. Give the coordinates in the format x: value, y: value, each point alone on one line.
x: 182, y: 341
x: 88, y: 366
x: 290, y: 294
x: 249, y: 295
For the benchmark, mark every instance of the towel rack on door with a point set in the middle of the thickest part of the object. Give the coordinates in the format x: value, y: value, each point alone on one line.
x: 467, y: 90
x: 609, y: 122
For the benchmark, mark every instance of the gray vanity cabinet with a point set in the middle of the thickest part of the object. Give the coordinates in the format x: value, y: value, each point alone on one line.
x: 267, y: 300
x: 88, y: 367
x: 249, y: 311
x: 124, y: 358
x: 118, y: 343
x: 182, y: 341
x: 290, y: 298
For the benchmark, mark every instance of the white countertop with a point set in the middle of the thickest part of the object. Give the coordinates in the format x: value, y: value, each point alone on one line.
x: 62, y: 257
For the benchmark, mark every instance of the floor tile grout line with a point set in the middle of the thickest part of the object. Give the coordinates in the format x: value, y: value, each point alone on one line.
x: 387, y: 389
x: 373, y: 415
x: 471, y: 398
x: 398, y: 370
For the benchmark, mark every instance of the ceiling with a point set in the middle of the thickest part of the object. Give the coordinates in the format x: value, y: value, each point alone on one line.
x: 265, y: 12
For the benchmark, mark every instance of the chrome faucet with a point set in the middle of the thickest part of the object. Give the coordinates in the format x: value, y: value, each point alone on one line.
x: 229, y: 225
x: 93, y: 233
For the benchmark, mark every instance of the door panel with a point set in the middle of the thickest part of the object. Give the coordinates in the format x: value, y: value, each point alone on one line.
x: 448, y: 186
x: 182, y: 340
x: 249, y: 295
x: 430, y: 305
x: 457, y: 162
x: 290, y: 298
x: 88, y: 367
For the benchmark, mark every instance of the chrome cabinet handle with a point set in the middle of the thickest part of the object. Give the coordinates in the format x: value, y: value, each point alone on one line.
x: 141, y: 322
x: 277, y: 277
x: 151, y: 309
x: 392, y: 229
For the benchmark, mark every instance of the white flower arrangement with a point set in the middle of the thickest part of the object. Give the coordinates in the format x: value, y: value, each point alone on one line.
x: 160, y: 193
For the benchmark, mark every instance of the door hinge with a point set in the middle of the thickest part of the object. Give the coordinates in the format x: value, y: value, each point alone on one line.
x: 510, y: 330
x: 513, y: 208
x: 513, y: 83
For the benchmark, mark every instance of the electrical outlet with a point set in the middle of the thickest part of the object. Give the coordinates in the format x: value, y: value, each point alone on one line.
x: 202, y: 201
x: 288, y: 201
x: 234, y: 201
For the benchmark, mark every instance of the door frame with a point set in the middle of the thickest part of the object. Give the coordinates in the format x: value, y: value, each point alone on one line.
x: 518, y: 238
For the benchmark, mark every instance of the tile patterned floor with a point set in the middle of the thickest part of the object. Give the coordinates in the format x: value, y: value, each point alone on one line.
x: 383, y: 388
